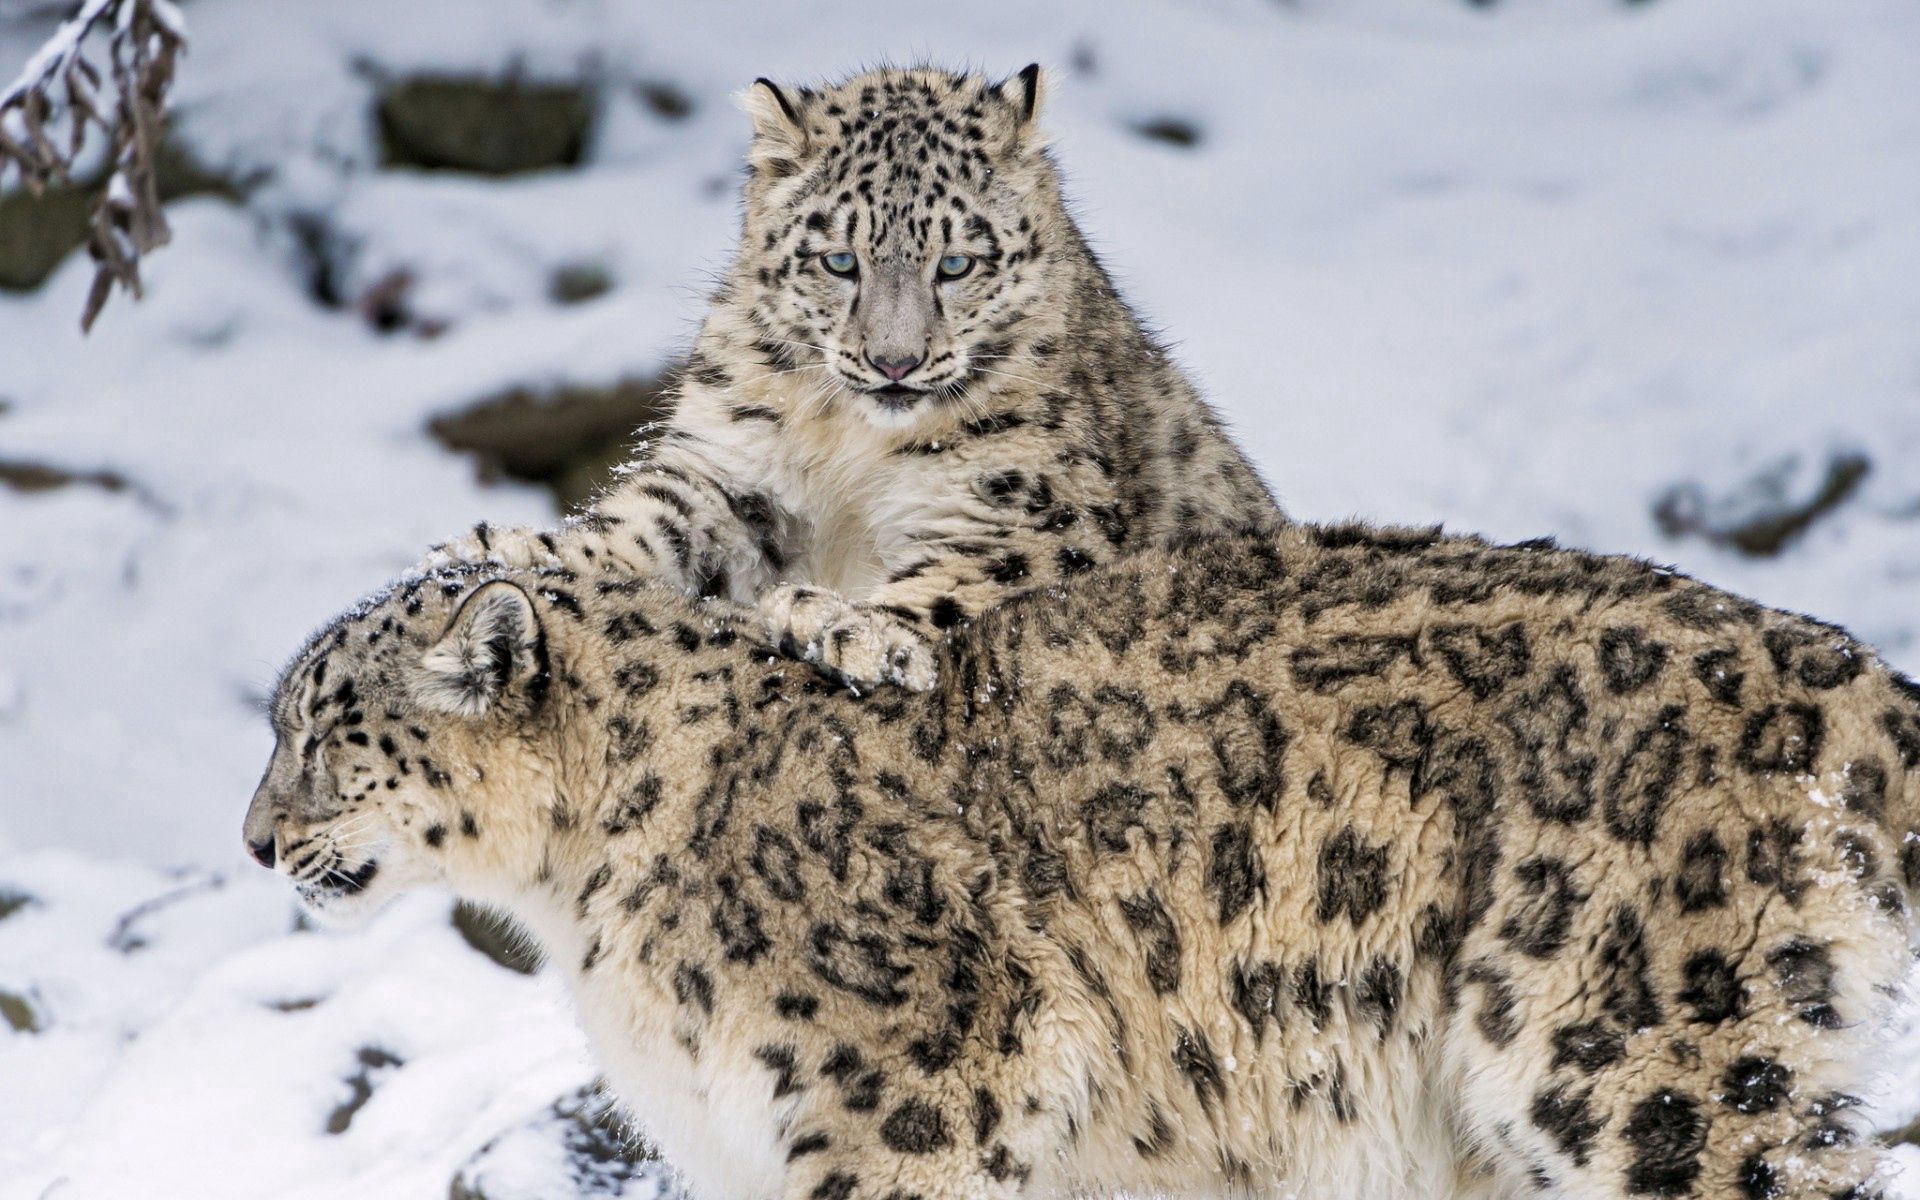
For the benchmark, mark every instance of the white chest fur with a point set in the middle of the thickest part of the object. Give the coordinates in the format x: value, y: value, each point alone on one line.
x: 712, y: 1116
x: 840, y: 475
x: 717, y: 1127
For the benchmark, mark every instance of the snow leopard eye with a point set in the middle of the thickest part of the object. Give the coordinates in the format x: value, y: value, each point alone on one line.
x: 953, y: 266
x: 838, y: 263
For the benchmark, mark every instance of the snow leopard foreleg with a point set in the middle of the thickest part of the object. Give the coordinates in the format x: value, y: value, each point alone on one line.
x: 951, y: 572
x: 667, y: 520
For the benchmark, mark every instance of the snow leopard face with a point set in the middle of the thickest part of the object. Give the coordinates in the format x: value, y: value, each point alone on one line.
x: 897, y: 233
x: 379, y: 725
x: 319, y: 815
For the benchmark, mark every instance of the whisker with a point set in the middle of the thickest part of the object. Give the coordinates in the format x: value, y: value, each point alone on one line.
x: 808, y: 345
x: 1010, y: 375
x: 348, y: 838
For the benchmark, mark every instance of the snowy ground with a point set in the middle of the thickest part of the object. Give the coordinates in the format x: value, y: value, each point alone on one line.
x: 1521, y: 271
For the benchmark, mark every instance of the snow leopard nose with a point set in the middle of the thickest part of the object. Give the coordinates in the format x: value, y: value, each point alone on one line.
x: 262, y: 852
x: 895, y: 369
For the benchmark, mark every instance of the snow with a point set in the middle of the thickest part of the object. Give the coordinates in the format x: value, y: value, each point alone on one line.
x: 208, y: 1060
x: 1520, y: 270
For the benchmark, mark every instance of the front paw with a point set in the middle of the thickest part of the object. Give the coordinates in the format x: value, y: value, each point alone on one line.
x: 903, y: 656
x: 861, y: 646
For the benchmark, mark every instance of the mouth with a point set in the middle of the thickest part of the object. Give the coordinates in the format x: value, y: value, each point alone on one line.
x: 339, y: 881
x: 896, y: 397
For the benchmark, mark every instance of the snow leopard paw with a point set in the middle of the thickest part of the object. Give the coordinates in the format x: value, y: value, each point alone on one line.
x: 862, y: 646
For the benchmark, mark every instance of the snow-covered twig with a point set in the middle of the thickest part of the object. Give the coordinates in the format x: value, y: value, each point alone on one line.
x: 45, y: 115
x: 123, y: 937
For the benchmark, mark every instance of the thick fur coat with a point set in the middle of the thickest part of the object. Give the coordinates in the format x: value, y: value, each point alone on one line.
x: 1336, y: 862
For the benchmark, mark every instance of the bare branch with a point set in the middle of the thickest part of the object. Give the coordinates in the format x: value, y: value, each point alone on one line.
x: 47, y: 114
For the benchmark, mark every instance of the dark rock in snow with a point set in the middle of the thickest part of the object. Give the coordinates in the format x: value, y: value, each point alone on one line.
x: 575, y: 283
x: 483, y: 126
x: 30, y: 477
x: 568, y: 438
x: 38, y: 232
x: 18, y: 1012
x: 374, y: 1065
x: 1174, y: 131
x: 295, y: 1004
x: 664, y: 100
x: 12, y: 900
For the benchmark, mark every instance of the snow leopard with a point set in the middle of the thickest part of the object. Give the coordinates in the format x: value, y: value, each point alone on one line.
x: 1335, y: 861
x: 916, y: 393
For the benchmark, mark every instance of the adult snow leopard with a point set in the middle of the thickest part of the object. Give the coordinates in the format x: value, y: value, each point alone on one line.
x: 917, y: 391
x: 1333, y: 862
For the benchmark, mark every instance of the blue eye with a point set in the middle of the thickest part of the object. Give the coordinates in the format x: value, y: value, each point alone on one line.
x: 839, y: 262
x: 953, y: 266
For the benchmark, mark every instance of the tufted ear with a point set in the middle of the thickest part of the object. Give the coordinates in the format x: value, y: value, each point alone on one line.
x: 1024, y: 92
x: 490, y: 648
x: 779, y: 131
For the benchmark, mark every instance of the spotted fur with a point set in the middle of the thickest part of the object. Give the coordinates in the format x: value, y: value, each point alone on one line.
x: 1332, y: 862
x: 1044, y: 431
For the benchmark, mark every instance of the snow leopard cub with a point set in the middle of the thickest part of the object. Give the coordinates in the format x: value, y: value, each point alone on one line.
x: 916, y: 393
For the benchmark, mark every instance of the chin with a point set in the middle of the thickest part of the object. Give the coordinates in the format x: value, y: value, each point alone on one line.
x: 350, y: 907
x: 330, y: 911
x: 902, y: 412
x: 894, y: 417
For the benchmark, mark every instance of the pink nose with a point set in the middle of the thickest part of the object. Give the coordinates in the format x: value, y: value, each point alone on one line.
x: 895, y: 369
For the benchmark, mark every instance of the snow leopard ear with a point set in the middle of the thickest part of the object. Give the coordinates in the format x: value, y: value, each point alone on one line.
x: 1025, y: 92
x: 779, y: 130
x: 490, y: 647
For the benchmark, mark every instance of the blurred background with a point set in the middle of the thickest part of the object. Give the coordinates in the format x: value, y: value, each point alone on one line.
x: 1641, y: 275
